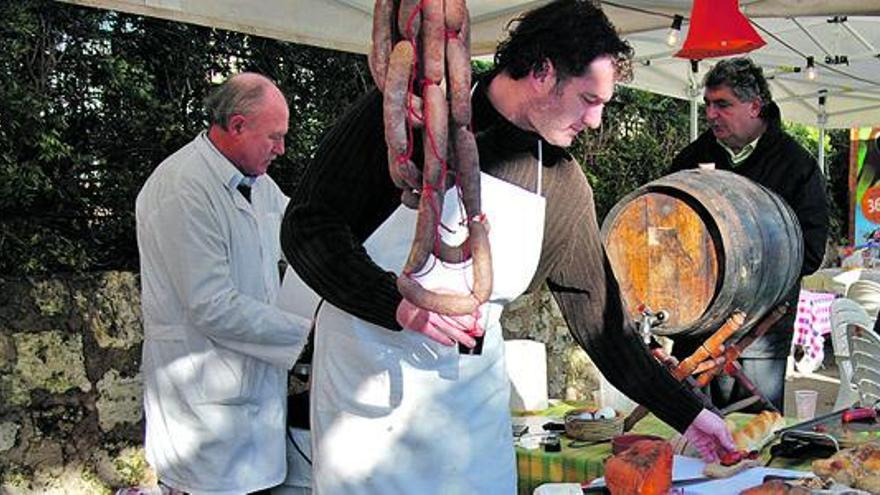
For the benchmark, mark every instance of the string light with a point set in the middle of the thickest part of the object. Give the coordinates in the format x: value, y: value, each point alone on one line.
x: 812, y: 73
x: 674, y: 31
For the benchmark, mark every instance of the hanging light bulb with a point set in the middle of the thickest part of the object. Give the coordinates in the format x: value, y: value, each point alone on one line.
x: 812, y: 73
x: 674, y: 31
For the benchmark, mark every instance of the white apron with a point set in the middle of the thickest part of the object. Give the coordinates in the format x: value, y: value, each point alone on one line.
x: 396, y: 412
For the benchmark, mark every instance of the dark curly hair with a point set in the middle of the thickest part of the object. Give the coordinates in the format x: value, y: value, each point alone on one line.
x: 744, y: 78
x: 568, y: 33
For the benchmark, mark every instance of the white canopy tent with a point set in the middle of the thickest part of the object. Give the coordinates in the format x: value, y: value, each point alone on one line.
x: 851, y: 88
x: 793, y: 29
x: 846, y: 50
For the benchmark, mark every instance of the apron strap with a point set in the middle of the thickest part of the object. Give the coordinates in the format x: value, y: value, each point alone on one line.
x: 540, y: 166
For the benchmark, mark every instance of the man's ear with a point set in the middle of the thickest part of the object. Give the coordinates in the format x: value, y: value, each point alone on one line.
x: 236, y: 123
x: 545, y: 79
x: 755, y: 108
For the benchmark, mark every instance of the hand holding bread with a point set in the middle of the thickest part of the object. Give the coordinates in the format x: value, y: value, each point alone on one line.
x: 758, y: 432
x: 749, y: 440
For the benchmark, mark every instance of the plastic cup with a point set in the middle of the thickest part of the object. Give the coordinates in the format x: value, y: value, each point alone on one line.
x: 805, y: 402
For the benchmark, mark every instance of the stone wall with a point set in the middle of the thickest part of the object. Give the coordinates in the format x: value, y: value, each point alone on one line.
x: 70, y: 392
x: 71, y: 420
x: 571, y: 375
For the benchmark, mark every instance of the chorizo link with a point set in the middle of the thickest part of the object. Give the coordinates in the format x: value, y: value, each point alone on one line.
x: 394, y: 104
x: 459, y: 69
x: 433, y: 40
x: 407, y: 10
x: 383, y: 24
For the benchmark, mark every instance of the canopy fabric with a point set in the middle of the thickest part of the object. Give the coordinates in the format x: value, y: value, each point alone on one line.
x: 800, y: 25
x: 852, y: 89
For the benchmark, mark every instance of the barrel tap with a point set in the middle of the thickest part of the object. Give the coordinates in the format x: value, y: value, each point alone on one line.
x: 649, y: 320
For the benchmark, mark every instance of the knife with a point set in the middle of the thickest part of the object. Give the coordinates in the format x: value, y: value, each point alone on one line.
x: 601, y: 488
x: 806, y: 425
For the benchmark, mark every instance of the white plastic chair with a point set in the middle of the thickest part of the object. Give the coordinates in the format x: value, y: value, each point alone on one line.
x: 844, y: 313
x: 867, y: 294
x: 864, y: 347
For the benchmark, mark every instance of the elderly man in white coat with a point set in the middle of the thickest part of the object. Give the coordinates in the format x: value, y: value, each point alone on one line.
x: 216, y: 347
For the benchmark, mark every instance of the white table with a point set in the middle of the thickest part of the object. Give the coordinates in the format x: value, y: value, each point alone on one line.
x: 838, y: 280
x: 685, y: 468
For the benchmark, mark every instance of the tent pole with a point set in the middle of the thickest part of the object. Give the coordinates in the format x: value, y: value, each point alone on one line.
x: 822, y: 121
x: 694, y: 93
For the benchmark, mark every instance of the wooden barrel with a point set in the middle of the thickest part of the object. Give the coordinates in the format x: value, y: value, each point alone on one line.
x: 701, y: 244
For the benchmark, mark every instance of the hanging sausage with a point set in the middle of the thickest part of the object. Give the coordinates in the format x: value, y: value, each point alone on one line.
x: 420, y: 60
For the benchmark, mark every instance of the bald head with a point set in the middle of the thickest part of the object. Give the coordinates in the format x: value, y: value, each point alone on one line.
x: 241, y: 94
x: 249, y: 119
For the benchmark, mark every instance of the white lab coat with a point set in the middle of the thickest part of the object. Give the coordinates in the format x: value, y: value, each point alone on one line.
x: 216, y: 348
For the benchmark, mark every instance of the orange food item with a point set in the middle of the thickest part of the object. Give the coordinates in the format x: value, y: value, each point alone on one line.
x: 644, y: 469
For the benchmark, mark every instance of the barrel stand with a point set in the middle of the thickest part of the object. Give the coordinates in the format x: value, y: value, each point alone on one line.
x: 714, y: 357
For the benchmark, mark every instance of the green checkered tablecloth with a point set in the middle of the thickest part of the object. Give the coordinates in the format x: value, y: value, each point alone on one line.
x: 579, y: 464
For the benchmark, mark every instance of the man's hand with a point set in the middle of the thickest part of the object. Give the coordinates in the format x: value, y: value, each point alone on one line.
x: 709, y: 434
x: 444, y: 329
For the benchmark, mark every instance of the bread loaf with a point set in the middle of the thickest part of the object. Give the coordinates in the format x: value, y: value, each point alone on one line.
x: 716, y: 470
x: 757, y: 432
x: 645, y: 469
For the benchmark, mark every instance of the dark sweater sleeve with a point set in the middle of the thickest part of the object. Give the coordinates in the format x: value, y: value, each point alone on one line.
x: 582, y: 282
x: 345, y: 194
x: 810, y: 204
x: 694, y: 153
x: 683, y: 160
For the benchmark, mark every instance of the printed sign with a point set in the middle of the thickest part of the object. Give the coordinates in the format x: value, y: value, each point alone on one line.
x: 865, y: 160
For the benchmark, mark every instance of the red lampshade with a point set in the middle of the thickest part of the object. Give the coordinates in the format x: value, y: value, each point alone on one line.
x: 718, y: 28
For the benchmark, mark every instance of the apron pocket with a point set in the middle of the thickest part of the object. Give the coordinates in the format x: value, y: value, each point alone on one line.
x: 358, y: 377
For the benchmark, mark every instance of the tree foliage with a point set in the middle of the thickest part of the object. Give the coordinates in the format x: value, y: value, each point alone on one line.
x: 836, y: 147
x: 93, y: 100
x: 640, y: 134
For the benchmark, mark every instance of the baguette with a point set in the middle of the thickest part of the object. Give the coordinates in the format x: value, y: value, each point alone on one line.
x: 758, y: 432
x: 716, y: 470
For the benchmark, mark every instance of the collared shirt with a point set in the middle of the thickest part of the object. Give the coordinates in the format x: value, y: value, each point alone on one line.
x: 744, y: 153
x: 237, y: 181
x: 241, y: 180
